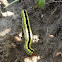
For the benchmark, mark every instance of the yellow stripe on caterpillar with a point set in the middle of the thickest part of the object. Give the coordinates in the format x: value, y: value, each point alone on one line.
x: 27, y: 33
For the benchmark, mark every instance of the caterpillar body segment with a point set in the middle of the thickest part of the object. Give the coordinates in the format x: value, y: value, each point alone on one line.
x: 27, y: 33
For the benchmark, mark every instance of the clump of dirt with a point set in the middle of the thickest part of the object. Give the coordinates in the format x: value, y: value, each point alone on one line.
x: 45, y: 22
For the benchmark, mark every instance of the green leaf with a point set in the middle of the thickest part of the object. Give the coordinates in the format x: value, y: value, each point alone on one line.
x: 41, y: 3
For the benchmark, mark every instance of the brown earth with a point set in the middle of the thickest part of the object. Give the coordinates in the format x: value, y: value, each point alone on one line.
x: 45, y: 22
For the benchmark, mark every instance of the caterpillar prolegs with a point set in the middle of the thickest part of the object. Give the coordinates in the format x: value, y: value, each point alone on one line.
x: 27, y: 33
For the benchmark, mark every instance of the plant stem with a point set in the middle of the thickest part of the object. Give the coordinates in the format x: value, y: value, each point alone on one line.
x: 11, y: 3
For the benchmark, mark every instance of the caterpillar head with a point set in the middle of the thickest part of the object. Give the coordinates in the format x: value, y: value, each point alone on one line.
x: 34, y: 53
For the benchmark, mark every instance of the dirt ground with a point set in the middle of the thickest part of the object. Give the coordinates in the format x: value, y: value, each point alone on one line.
x: 45, y: 22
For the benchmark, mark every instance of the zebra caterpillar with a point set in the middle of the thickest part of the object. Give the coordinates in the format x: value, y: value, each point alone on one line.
x: 27, y: 33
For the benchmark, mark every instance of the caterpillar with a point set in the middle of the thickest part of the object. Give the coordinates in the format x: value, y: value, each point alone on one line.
x: 27, y: 33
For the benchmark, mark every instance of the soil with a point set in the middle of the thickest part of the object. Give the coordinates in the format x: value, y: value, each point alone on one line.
x: 45, y: 22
